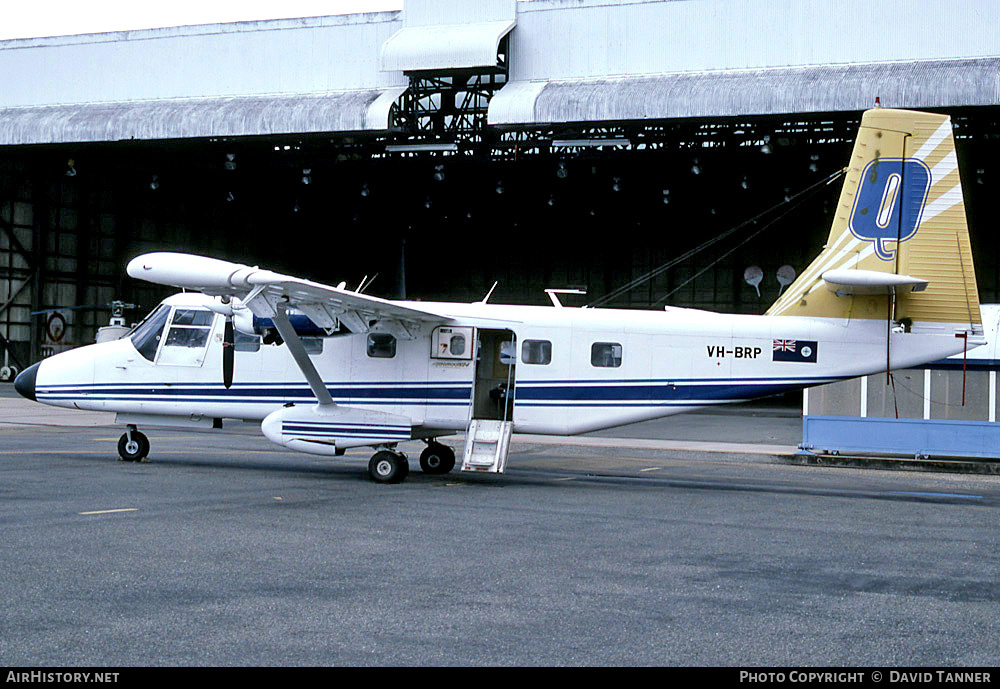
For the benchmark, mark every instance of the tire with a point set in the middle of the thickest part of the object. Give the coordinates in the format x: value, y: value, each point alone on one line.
x: 134, y: 451
x: 388, y: 467
x: 437, y: 459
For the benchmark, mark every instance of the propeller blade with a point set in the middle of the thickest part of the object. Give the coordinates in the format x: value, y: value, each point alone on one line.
x: 228, y: 354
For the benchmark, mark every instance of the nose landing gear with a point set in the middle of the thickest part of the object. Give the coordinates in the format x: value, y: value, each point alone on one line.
x: 133, y: 446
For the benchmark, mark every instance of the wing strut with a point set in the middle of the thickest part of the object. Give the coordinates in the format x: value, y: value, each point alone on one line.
x: 298, y: 352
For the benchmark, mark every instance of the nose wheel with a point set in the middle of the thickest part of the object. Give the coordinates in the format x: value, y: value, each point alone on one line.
x: 133, y: 446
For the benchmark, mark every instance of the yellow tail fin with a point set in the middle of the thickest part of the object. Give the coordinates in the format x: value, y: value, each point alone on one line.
x: 901, y: 212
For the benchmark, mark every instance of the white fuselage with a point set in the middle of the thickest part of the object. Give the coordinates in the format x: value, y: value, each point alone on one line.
x: 666, y: 362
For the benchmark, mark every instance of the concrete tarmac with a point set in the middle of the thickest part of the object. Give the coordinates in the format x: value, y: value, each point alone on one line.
x: 225, y: 550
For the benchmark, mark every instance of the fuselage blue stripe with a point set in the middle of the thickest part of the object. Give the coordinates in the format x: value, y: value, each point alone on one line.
x: 529, y: 393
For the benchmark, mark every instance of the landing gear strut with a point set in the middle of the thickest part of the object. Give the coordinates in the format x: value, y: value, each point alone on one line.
x: 388, y: 466
x: 437, y: 458
x: 133, y: 446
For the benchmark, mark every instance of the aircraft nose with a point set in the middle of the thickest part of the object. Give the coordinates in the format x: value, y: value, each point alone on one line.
x: 25, y: 381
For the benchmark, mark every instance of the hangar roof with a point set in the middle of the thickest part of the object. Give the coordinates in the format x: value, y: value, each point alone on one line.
x: 767, y: 91
x: 570, y: 61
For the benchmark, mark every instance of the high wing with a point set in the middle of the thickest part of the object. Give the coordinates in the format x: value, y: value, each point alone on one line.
x: 269, y: 295
x: 262, y: 290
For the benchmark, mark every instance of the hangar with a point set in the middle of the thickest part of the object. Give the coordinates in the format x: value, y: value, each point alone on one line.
x: 544, y: 143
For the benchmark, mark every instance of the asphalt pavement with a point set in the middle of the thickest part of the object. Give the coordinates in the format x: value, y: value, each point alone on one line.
x: 226, y: 550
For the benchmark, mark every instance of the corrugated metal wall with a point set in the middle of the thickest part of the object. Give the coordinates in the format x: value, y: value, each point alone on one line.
x: 437, y: 12
x: 777, y: 90
x: 567, y: 39
x: 284, y: 56
x: 554, y: 41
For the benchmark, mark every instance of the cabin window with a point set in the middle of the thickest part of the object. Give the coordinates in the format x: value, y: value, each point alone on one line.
x: 245, y: 343
x: 381, y: 346
x: 536, y: 352
x: 508, y: 353
x: 451, y: 343
x: 312, y: 345
x: 146, y: 336
x: 606, y: 354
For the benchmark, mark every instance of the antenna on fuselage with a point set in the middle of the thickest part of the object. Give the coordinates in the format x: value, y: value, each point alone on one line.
x: 490, y: 293
x: 552, y: 292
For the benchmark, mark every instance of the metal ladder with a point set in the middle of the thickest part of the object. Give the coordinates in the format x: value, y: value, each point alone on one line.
x: 487, y: 445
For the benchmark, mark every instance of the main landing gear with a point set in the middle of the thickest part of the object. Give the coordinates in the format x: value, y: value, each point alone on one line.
x: 133, y: 446
x: 388, y: 465
x: 437, y: 458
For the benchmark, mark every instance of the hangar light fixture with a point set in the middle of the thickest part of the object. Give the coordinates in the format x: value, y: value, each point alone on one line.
x: 419, y: 148
x: 591, y: 143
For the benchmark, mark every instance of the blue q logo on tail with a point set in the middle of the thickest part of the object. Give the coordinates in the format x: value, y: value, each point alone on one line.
x: 889, y: 203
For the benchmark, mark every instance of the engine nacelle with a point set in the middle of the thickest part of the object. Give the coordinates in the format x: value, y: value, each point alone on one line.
x: 247, y: 323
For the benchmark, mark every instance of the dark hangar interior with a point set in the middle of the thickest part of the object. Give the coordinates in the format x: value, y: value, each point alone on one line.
x: 442, y: 203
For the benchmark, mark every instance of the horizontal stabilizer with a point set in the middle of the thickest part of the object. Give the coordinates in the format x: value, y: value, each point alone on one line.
x: 854, y: 281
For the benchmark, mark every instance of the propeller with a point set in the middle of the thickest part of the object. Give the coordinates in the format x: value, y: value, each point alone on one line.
x: 228, y: 353
x: 228, y: 340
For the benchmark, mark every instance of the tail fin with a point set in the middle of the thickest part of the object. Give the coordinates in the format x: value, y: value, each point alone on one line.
x: 900, y: 223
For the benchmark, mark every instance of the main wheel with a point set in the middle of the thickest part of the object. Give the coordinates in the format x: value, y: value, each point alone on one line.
x: 437, y: 459
x: 133, y: 450
x: 386, y: 466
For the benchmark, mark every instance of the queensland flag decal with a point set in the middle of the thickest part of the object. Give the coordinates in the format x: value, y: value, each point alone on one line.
x: 890, y: 201
x: 794, y: 350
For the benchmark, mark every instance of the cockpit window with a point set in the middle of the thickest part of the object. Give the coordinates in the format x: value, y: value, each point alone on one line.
x: 187, y: 337
x: 189, y: 328
x: 192, y: 317
x: 146, y: 336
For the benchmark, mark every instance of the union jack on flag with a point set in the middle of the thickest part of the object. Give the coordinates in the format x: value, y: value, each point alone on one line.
x: 802, y: 351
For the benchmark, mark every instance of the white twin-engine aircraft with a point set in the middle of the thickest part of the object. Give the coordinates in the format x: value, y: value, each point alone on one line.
x: 894, y: 287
